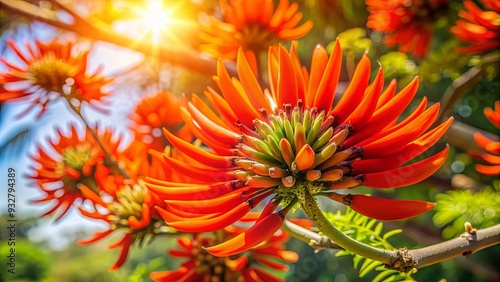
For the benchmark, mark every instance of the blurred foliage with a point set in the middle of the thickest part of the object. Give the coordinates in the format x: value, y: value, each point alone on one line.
x: 444, y: 62
x: 353, y: 42
x: 31, y: 263
x: 368, y: 231
x: 398, y: 65
x: 455, y: 207
x: 339, y: 14
x: 91, y: 263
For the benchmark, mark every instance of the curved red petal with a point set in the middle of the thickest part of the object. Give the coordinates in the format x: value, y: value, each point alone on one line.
x: 387, y: 209
x: 407, y: 175
x: 253, y: 236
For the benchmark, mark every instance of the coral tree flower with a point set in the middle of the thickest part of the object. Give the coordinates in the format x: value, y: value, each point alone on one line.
x: 406, y: 23
x: 492, y: 148
x: 247, y: 267
x: 46, y: 71
x: 480, y: 28
x: 130, y: 210
x: 291, y: 143
x: 78, y: 162
x: 152, y: 114
x: 253, y: 26
x: 128, y: 206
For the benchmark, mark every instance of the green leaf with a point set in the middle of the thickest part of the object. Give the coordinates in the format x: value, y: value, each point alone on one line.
x: 392, y: 233
x: 378, y: 229
x: 370, y: 232
x: 368, y: 266
x: 456, y: 207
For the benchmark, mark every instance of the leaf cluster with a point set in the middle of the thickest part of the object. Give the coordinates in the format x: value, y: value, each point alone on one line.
x: 368, y: 231
x: 455, y: 207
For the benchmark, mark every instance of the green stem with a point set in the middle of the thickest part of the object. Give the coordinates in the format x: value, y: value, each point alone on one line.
x: 109, y: 159
x: 312, y: 210
x: 310, y: 237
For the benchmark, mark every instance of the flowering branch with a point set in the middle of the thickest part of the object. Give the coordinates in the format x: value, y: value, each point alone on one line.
x: 312, y: 210
x: 98, y: 30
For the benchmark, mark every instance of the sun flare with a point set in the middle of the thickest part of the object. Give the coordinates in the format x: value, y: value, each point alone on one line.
x: 155, y: 19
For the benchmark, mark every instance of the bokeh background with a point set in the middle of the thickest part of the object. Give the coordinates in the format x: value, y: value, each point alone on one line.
x: 46, y: 250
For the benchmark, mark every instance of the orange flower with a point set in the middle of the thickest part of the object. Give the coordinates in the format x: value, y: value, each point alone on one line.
x: 132, y: 210
x: 253, y: 26
x: 78, y: 161
x: 479, y: 27
x: 154, y: 113
x: 203, y: 266
x: 291, y: 142
x: 48, y: 68
x: 492, y: 148
x: 405, y: 22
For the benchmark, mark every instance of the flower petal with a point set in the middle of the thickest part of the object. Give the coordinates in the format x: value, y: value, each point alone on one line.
x: 253, y: 236
x: 407, y: 175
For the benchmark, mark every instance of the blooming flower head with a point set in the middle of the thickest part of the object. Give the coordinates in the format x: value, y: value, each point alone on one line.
x: 132, y: 210
x: 46, y: 71
x: 77, y: 162
x: 151, y: 115
x: 480, y: 28
x: 247, y: 267
x: 253, y: 26
x: 291, y: 143
x: 492, y: 148
x: 407, y: 23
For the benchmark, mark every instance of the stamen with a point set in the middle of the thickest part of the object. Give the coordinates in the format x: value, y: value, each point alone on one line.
x: 288, y: 181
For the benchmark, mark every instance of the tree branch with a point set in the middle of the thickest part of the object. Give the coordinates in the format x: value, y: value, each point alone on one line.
x: 310, y: 237
x: 462, y: 84
x: 403, y: 259
x: 465, y: 245
x: 426, y: 236
x: 312, y: 210
x: 97, y: 30
x: 461, y: 135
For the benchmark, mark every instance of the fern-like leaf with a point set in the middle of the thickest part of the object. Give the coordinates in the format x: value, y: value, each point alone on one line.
x: 456, y: 207
x: 368, y: 231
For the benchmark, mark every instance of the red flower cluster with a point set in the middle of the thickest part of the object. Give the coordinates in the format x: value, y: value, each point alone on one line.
x: 291, y: 143
x: 81, y: 171
x: 133, y: 210
x: 151, y: 115
x: 249, y: 267
x: 492, y: 148
x: 407, y: 23
x: 77, y: 168
x: 252, y: 26
x: 48, y: 71
x: 480, y: 28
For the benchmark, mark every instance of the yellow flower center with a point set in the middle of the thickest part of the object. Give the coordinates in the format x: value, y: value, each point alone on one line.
x: 76, y: 157
x: 50, y: 73
x: 128, y: 203
x: 256, y: 38
x: 211, y: 267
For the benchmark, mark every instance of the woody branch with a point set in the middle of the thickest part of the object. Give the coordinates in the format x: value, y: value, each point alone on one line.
x: 405, y: 260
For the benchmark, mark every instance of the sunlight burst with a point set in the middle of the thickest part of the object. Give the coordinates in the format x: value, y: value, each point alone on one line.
x: 155, y: 19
